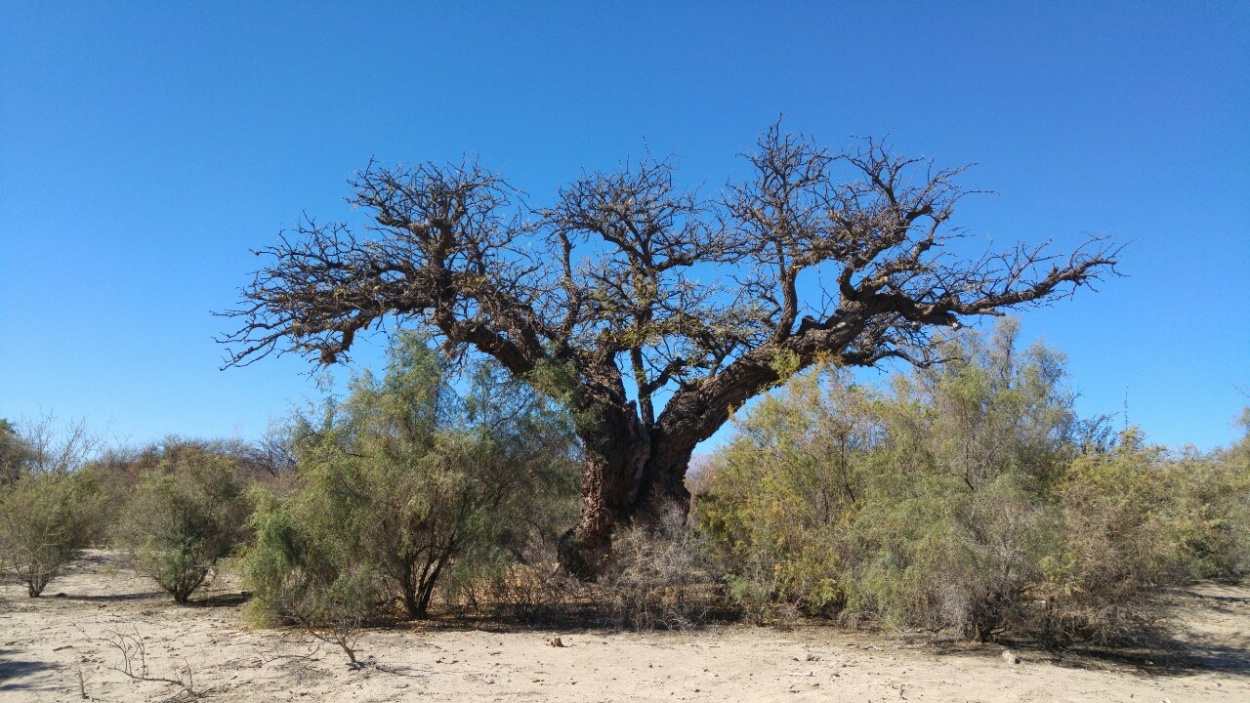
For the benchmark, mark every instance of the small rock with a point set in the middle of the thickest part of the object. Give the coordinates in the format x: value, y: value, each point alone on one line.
x: 1010, y: 657
x: 556, y: 642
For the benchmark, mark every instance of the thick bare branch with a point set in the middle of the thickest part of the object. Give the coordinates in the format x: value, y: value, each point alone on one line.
x: 629, y: 290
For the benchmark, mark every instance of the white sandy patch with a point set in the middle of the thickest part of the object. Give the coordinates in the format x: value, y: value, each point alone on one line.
x: 55, y: 648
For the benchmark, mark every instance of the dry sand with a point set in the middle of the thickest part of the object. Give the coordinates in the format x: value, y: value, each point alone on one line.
x: 57, y: 648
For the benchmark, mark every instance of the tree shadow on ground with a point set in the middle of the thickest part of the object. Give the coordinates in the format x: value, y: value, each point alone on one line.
x: 110, y: 597
x: 11, y: 671
x: 1176, y: 659
x: 1207, y: 635
x: 220, y: 600
x: 1173, y: 658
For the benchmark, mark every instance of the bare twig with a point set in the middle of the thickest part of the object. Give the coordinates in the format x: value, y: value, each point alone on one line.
x: 82, y: 683
x: 134, y: 665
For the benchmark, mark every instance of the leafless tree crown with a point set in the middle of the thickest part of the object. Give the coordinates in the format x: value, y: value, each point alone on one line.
x: 628, y: 292
x: 632, y: 281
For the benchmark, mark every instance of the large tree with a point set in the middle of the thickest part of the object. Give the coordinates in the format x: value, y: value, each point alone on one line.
x: 652, y: 311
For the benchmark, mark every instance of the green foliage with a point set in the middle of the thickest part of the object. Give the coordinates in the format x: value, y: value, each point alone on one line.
x: 47, y: 507
x: 15, y: 453
x: 301, y: 573
x: 1232, y: 507
x: 968, y: 499
x: 990, y: 410
x: 941, y: 556
x: 184, y: 517
x: 951, y: 528
x: 1134, y: 521
x: 781, y: 492
x: 404, y: 486
x: 120, y: 471
x: 45, y: 520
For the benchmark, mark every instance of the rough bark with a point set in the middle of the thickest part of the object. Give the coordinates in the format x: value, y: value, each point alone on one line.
x: 635, y: 481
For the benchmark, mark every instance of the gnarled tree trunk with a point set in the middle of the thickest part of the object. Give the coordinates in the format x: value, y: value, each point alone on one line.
x: 622, y: 486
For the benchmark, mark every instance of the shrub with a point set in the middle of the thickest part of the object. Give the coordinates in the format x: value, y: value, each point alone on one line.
x: 184, y: 517
x: 776, y: 501
x: 411, y: 484
x: 971, y: 500
x: 659, y: 576
x: 1224, y: 549
x: 535, y: 589
x: 956, y: 517
x: 45, y: 520
x: 298, y: 579
x: 945, y: 557
x: 47, y: 507
x: 1135, y: 522
x: 15, y: 453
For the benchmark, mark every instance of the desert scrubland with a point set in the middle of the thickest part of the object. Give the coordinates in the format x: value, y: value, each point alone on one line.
x: 61, y: 647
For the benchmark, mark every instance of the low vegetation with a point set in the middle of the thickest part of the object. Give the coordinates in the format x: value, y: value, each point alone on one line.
x: 45, y: 519
x: 47, y: 507
x: 406, y: 487
x: 966, y: 498
x: 184, y: 516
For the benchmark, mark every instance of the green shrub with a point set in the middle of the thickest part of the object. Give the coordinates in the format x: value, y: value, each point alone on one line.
x: 48, y: 508
x: 45, y: 520
x: 300, y: 575
x: 15, y: 453
x: 969, y: 499
x: 184, y: 517
x: 956, y: 516
x: 412, y: 485
x: 1222, y: 544
x: 775, y: 502
x: 1136, y: 521
x: 943, y: 557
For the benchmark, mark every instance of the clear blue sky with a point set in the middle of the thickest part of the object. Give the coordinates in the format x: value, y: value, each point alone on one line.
x: 145, y: 148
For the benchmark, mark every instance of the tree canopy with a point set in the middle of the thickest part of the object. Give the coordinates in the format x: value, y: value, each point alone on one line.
x: 628, y: 291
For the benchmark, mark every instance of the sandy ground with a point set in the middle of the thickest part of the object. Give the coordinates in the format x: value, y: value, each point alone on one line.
x: 63, y: 648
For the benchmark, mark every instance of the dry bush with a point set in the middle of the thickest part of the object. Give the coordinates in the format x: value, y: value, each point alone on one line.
x: 538, y: 592
x: 134, y: 655
x: 1130, y: 529
x: 658, y: 578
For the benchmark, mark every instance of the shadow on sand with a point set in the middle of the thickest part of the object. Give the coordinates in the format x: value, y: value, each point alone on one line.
x: 12, y: 672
